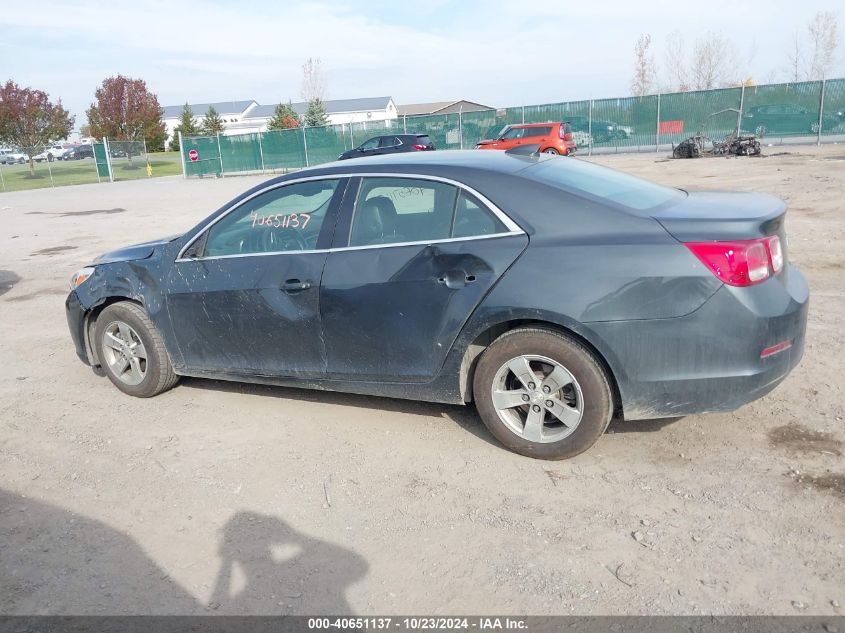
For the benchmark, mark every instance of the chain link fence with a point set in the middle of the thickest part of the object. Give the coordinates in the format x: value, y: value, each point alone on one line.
x: 806, y: 112
x: 57, y: 165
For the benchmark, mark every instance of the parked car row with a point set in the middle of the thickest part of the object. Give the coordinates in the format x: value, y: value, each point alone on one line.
x: 51, y: 153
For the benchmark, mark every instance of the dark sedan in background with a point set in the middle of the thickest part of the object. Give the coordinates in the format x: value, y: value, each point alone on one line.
x: 390, y: 144
x: 550, y: 292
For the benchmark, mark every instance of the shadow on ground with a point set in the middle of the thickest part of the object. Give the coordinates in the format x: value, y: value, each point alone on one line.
x: 464, y: 416
x: 58, y: 562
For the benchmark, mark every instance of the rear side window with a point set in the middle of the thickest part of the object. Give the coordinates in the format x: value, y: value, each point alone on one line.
x: 600, y: 182
x: 538, y: 131
x: 392, y: 210
x: 396, y: 210
x: 472, y: 218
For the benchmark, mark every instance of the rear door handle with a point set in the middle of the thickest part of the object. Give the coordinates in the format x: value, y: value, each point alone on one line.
x: 456, y: 279
x: 295, y: 285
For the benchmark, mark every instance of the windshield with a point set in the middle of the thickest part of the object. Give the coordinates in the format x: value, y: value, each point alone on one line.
x: 572, y: 174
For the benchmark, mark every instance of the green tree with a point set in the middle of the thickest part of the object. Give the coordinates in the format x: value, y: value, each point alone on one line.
x: 316, y: 113
x: 212, y: 125
x: 284, y: 118
x: 187, y: 125
x: 30, y: 121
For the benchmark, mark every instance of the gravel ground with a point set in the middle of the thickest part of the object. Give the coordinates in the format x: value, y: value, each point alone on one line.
x: 228, y: 498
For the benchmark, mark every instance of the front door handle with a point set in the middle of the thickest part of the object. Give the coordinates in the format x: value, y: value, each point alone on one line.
x: 295, y: 285
x: 456, y: 279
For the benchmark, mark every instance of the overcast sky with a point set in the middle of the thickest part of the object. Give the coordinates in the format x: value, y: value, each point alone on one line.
x: 499, y: 53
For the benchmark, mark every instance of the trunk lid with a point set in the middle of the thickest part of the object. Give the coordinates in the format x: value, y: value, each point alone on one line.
x: 712, y: 215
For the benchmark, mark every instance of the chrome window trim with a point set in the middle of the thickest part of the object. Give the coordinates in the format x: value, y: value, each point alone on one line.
x: 513, y: 227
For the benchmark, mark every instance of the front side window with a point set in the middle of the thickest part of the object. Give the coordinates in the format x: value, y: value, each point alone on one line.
x: 371, y: 144
x: 287, y: 218
x: 388, y: 141
x: 513, y: 133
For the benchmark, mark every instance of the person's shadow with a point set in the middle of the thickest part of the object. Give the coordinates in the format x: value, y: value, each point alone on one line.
x: 262, y: 557
x: 56, y: 562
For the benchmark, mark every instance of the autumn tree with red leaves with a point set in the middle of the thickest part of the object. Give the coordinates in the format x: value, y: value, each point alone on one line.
x: 30, y: 121
x: 126, y: 111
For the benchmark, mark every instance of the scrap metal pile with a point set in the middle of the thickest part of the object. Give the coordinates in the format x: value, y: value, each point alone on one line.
x: 735, y: 143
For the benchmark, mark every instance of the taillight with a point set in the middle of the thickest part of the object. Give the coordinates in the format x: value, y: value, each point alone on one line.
x: 741, y: 262
x: 775, y: 253
x: 419, y: 148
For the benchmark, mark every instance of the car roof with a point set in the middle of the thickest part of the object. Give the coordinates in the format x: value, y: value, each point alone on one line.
x: 424, y: 163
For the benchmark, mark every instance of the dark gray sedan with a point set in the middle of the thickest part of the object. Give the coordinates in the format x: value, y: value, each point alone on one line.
x: 550, y: 292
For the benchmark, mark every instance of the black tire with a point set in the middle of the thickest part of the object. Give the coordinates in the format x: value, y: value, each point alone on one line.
x: 158, y: 372
x: 580, y: 362
x: 551, y: 150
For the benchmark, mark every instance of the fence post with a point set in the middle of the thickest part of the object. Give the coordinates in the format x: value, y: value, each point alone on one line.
x: 182, y: 156
x: 821, y: 113
x: 404, y: 124
x: 351, y: 136
x: 220, y: 156
x: 657, y: 128
x: 305, y: 143
x: 2, y: 180
x: 461, y: 124
x: 523, y: 115
x: 590, y: 130
x: 261, y: 152
x: 108, y: 158
x: 741, y: 107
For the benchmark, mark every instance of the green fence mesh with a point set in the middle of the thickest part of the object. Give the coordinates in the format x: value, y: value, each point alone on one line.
x: 202, y: 156
x: 778, y: 111
x: 834, y: 107
x: 101, y: 161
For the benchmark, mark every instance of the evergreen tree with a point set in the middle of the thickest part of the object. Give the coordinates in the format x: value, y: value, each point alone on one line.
x: 284, y: 118
x: 187, y: 125
x: 316, y: 113
x: 212, y: 125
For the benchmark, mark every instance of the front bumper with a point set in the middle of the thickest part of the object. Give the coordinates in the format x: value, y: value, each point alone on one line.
x: 76, y: 323
x: 710, y: 360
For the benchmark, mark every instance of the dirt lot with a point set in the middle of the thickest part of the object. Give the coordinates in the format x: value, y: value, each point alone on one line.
x: 227, y: 498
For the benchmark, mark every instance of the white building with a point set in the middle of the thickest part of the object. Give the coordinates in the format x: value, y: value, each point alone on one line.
x: 241, y: 117
x: 232, y: 113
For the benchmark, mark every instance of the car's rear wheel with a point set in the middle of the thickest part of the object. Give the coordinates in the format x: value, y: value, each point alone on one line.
x: 542, y: 393
x: 551, y: 150
x: 132, y: 352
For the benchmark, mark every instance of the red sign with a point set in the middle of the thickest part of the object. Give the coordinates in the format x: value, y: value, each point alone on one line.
x: 671, y: 127
x: 194, y: 155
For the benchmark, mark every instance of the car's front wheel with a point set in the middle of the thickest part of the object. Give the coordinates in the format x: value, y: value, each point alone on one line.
x: 132, y: 352
x: 542, y: 394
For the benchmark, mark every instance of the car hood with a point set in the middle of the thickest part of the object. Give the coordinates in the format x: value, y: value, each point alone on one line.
x: 134, y: 252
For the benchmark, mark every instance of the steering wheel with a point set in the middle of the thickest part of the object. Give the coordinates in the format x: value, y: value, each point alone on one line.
x: 270, y: 240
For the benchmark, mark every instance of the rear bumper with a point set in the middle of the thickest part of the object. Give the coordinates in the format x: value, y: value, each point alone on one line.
x: 710, y: 360
x: 76, y: 323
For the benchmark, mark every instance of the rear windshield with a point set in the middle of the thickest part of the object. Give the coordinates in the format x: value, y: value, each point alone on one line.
x: 572, y: 174
x: 423, y: 139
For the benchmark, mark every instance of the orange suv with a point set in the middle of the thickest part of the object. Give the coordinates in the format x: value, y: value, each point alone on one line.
x: 552, y: 138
